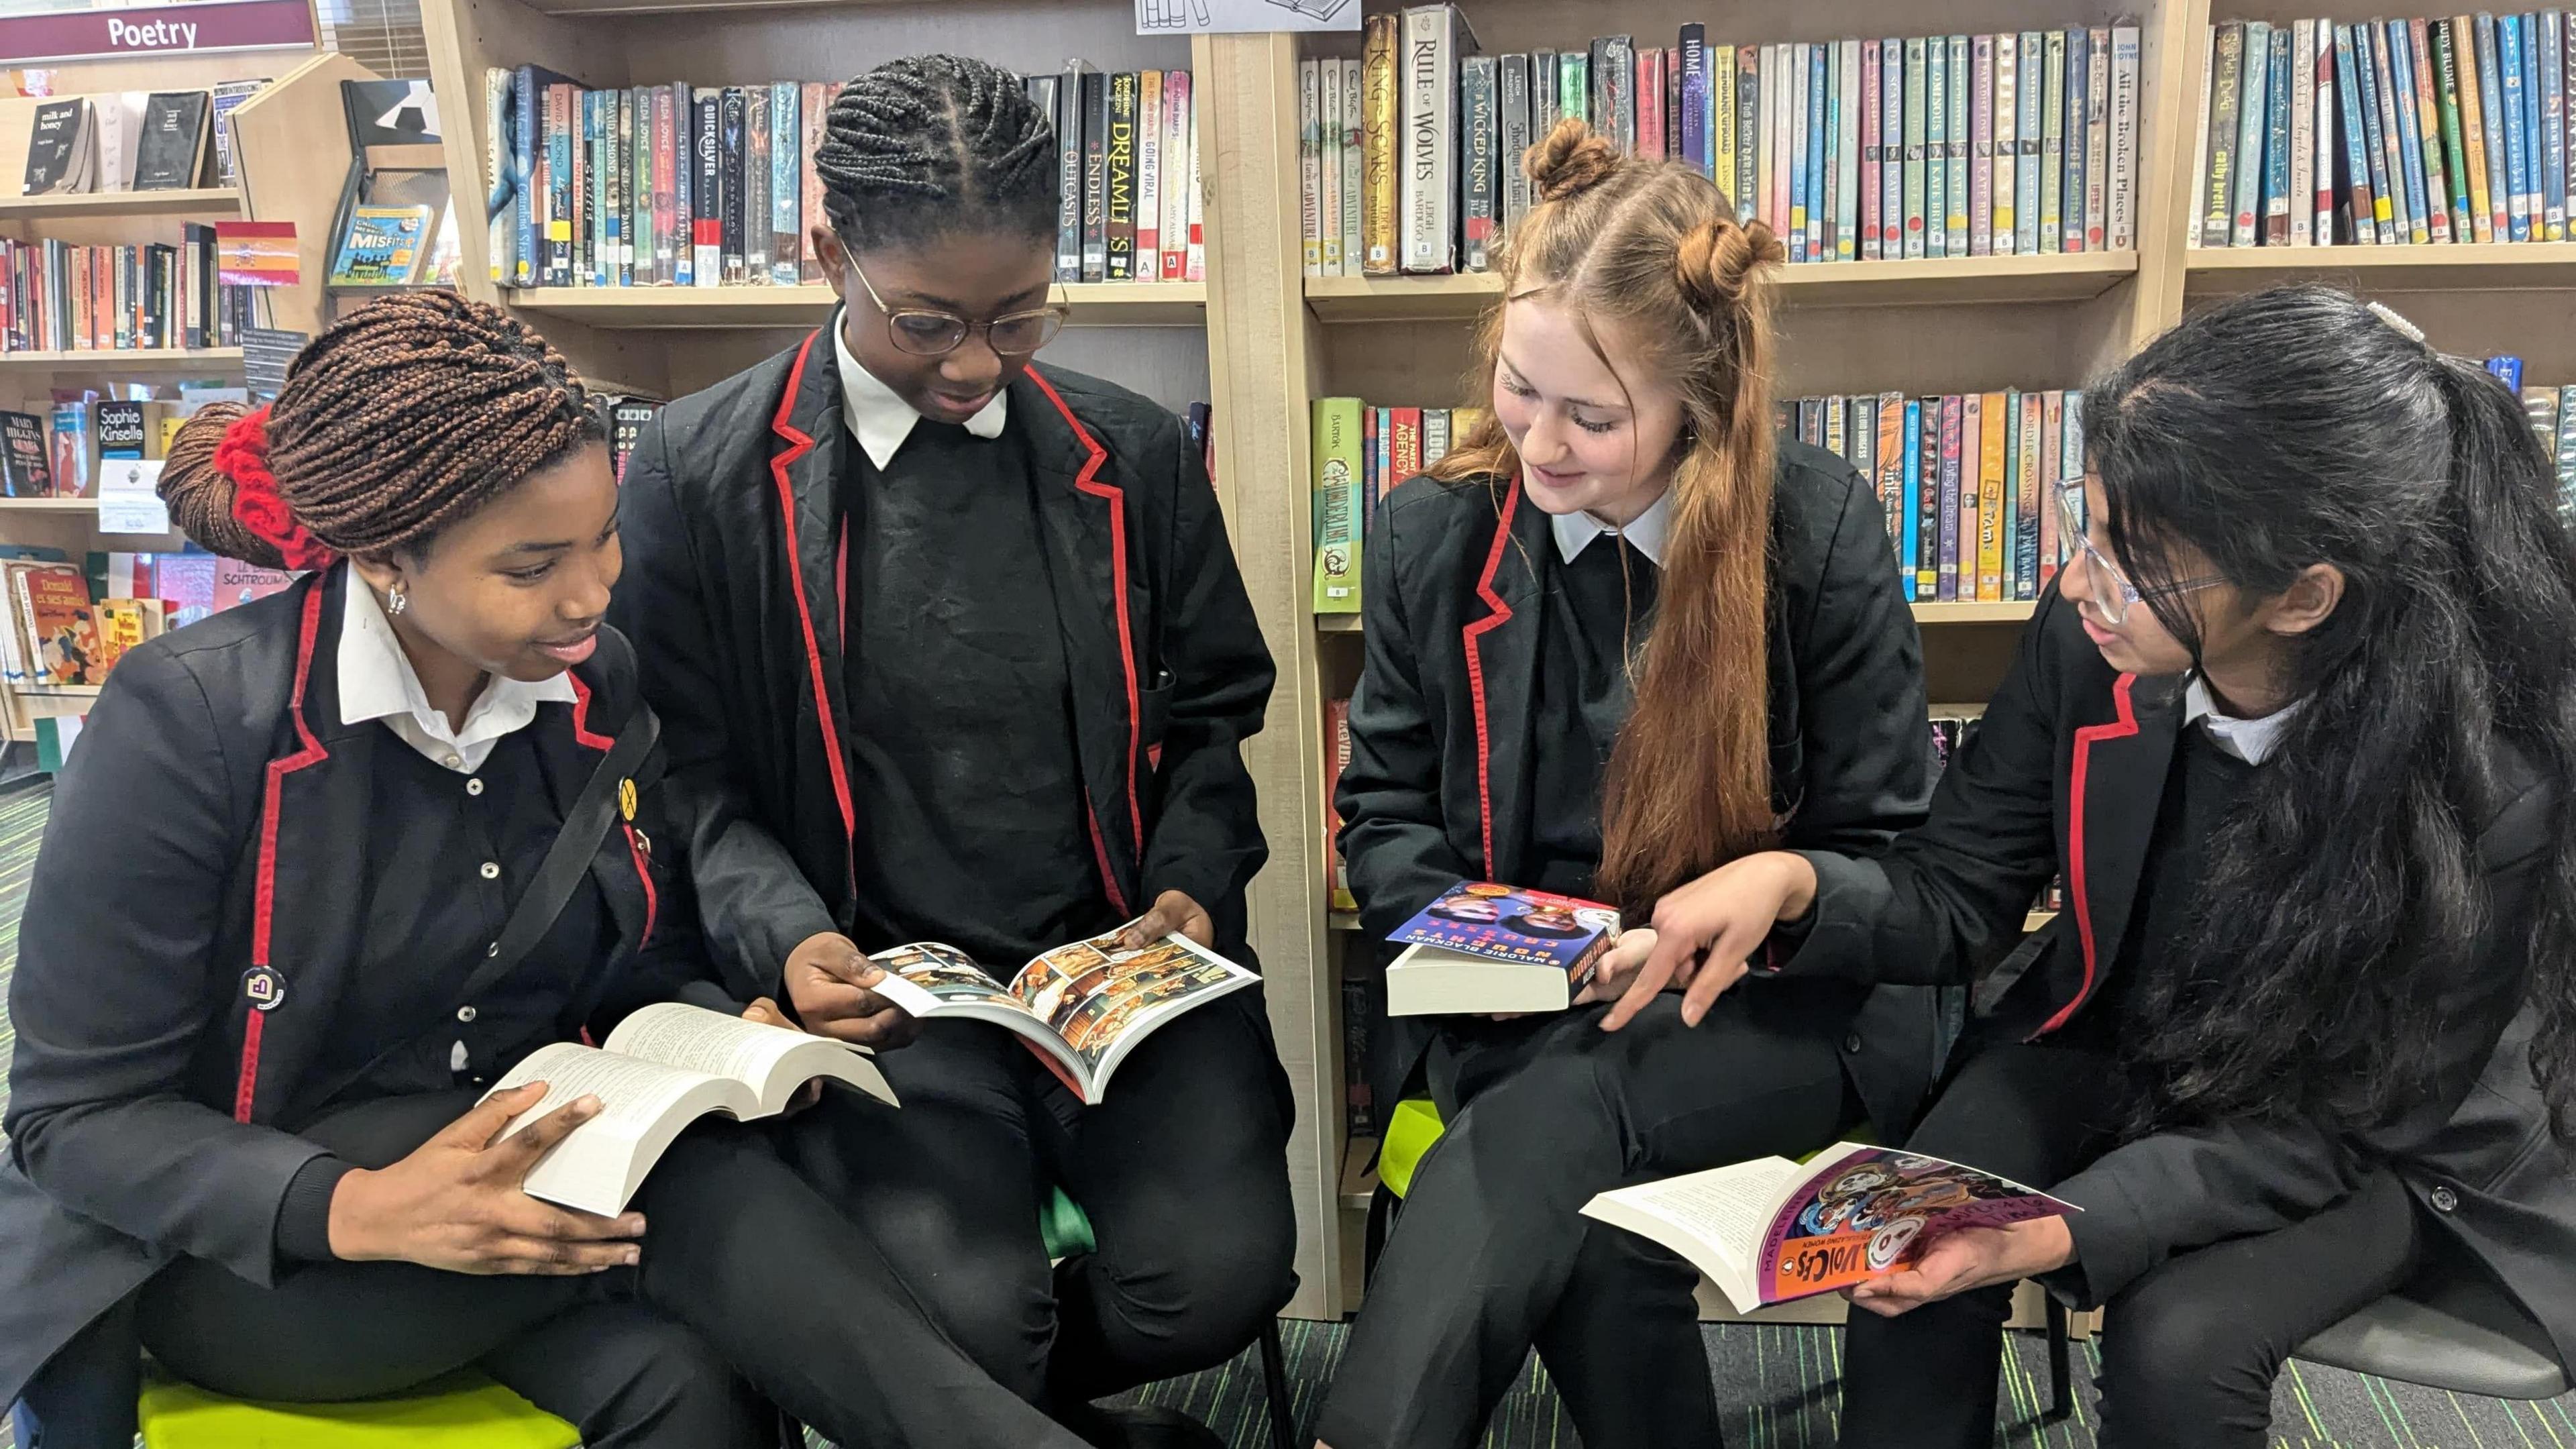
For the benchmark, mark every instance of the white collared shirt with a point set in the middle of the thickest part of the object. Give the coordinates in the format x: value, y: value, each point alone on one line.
x: 1645, y: 533
x: 2250, y: 740
x: 378, y: 682
x: 881, y: 421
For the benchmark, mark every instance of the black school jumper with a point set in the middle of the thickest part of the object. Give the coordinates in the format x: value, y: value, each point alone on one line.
x: 221, y: 838
x: 1491, y: 692
x: 2218, y: 1249
x: 1116, y: 668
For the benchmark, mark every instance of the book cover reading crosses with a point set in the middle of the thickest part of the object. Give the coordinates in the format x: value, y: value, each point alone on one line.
x: 1082, y: 1008
x: 1772, y: 1230
x: 664, y: 1067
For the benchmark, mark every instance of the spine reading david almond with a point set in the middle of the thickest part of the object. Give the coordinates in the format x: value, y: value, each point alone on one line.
x: 1068, y: 171
x: 1310, y: 163
x: 1512, y: 85
x: 1479, y: 149
x: 2456, y: 128
x: 1981, y: 145
x: 2428, y: 128
x: 1430, y: 132
x: 1095, y: 176
x: 2276, y: 147
x: 1952, y: 504
x: 2363, y: 202
x: 1378, y: 200
x: 2052, y: 143
x: 1149, y: 176
x: 2120, y: 229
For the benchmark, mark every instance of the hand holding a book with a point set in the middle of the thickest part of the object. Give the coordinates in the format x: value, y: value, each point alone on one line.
x: 1969, y: 1259
x: 1706, y: 931
x: 1174, y: 914
x: 831, y: 984
x: 456, y: 1204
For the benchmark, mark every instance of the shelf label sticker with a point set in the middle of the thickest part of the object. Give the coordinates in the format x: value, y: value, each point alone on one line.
x: 129, y: 496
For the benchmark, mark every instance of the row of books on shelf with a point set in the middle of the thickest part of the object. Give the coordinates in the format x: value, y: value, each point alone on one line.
x: 59, y: 296
x: 2386, y: 132
x: 133, y: 141
x: 69, y: 623
x: 60, y: 454
x: 705, y: 186
x: 2552, y: 411
x: 1924, y: 146
x: 1360, y: 452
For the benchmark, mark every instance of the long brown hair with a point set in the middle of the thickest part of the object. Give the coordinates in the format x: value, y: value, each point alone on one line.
x: 1651, y: 252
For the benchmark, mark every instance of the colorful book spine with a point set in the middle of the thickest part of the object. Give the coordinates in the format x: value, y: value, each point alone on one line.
x: 2052, y: 144
x: 2097, y: 137
x: 2029, y: 501
x: 2276, y: 146
x: 1378, y: 199
x: 2079, y: 83
x: 2529, y: 27
x: 1916, y: 220
x: 2383, y: 206
x: 2551, y: 63
x: 1816, y: 238
x: 1891, y: 149
x: 1962, y: 74
x: 1694, y: 117
x: 2455, y: 164
x: 1479, y: 156
x: 2245, y: 204
x: 1846, y: 208
x: 2120, y: 184
x: 1888, y: 451
x: 1872, y: 119
x: 1751, y: 95
x: 2462, y: 31
x: 1952, y: 504
x: 2030, y: 100
x: 2362, y: 201
x: 2003, y: 238
x: 1981, y: 145
x: 1339, y: 522
x: 2052, y: 424
x: 1310, y: 164
x: 2410, y: 135
x: 1923, y: 487
x: 1991, y: 415
x: 2493, y: 121
x: 1936, y: 147
x: 2517, y: 147
x: 2392, y: 159
x: 2428, y: 125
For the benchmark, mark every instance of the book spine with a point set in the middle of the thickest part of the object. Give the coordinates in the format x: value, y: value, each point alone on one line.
x: 1429, y: 139
x: 1936, y: 147
x: 2528, y: 25
x: 1992, y: 417
x: 1766, y: 140
x: 646, y: 269
x: 1889, y: 481
x: 669, y: 249
x: 588, y: 189
x: 2052, y: 143
x: 2121, y: 206
x: 2567, y: 113
x: 1479, y: 154
x: 1726, y: 138
x: 2492, y: 119
x: 1513, y: 84
x: 1574, y: 89
x: 1095, y: 176
x: 2428, y: 128
x: 757, y: 142
x: 2008, y: 146
x: 2303, y: 139
x: 2564, y: 449
x: 1339, y: 523
x: 2321, y: 202
x: 706, y: 191
x: 2551, y: 62
x: 2097, y: 136
x: 1981, y: 145
x: 2079, y: 82
x: 2052, y: 423
x: 1952, y: 504
x: 1354, y: 187
x: 2455, y: 167
x: 1750, y: 148
x: 1961, y: 74
x: 786, y: 183
x: 2473, y: 147
x: 1310, y: 173
x: 1649, y: 103
x: 2383, y: 206
x: 1846, y: 205
x: 734, y: 188
x: 2517, y: 160
x: 1617, y: 67
x: 1820, y: 152
x: 2382, y: 83
x: 1378, y: 204
x: 1693, y: 117
x: 1149, y: 174
x: 1119, y: 180
x: 1923, y: 496
x: 1794, y: 95
x: 2029, y: 497
x: 2276, y: 149
x: 2356, y: 167
x: 2410, y: 139
x: 1068, y: 175
x: 1872, y: 124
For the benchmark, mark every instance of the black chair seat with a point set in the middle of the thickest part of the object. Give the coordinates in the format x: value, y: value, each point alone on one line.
x: 2456, y: 1332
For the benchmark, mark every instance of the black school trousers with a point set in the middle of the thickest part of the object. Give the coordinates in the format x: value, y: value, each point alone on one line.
x: 1182, y: 1170
x: 751, y: 1287
x: 2189, y: 1351
x: 1491, y: 1256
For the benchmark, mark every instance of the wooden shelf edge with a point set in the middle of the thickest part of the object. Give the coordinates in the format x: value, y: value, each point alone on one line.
x: 48, y: 505
x: 2470, y: 267
x: 2037, y: 919
x: 1986, y: 613
x: 117, y: 359
x: 58, y: 691
x: 2044, y: 278
x: 1337, y: 623
x: 187, y: 202
x: 1093, y: 304
x: 1341, y: 920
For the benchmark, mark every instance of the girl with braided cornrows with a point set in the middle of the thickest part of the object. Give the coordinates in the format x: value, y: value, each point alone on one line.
x: 949, y: 647
x: 1619, y: 637
x: 322, y: 868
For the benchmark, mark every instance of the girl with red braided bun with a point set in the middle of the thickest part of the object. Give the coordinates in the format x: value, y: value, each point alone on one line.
x: 292, y: 917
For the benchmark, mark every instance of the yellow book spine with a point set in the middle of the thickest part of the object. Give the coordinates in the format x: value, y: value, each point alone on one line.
x: 1721, y: 115
x: 1995, y: 428
x: 1377, y: 148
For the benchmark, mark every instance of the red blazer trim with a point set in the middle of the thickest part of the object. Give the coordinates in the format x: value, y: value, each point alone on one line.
x: 1472, y: 637
x: 2120, y: 728
x: 1117, y: 497
x: 784, y: 425
x: 272, y: 797
x: 583, y: 735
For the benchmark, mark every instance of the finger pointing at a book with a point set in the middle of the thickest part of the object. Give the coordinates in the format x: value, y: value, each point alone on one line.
x: 831, y: 986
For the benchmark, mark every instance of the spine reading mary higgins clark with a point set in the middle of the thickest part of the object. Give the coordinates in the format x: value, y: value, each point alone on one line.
x: 1095, y: 176
x: 1068, y: 171
x: 1479, y: 147
x: 1379, y: 204
x: 1981, y: 145
x: 1435, y: 37
x: 1180, y: 158
x: 1310, y: 162
x: 1149, y: 176
x: 1512, y: 85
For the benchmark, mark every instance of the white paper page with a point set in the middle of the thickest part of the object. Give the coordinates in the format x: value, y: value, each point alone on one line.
x: 632, y: 1094
x: 129, y: 499
x: 699, y: 1040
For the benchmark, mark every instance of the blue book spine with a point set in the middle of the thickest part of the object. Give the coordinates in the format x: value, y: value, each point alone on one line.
x: 2079, y: 65
x: 2517, y: 160
x: 2374, y: 140
x: 1820, y: 219
x: 1694, y: 116
x: 2529, y: 25
x: 2410, y: 143
x: 1936, y: 149
x: 2491, y: 121
x: 2553, y: 126
x: 2356, y: 164
x: 2507, y: 370
x: 1793, y: 114
x: 2276, y: 141
x: 1910, y: 543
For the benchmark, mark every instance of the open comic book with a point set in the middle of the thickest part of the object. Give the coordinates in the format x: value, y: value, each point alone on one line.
x: 1081, y: 1007
x: 664, y: 1067
x: 1771, y: 1230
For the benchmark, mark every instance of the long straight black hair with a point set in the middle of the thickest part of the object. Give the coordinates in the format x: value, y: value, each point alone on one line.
x: 2294, y: 427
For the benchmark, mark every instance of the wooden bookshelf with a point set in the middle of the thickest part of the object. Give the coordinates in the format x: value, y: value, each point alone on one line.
x: 194, y: 202
x: 1946, y: 282
x: 2495, y: 267
x: 1092, y: 304
x: 130, y: 359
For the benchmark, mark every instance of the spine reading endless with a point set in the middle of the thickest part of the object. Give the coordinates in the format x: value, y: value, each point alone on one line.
x: 1095, y: 176
x: 1378, y: 203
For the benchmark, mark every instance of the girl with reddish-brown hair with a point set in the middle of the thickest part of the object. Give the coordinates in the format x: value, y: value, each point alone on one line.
x: 1620, y: 637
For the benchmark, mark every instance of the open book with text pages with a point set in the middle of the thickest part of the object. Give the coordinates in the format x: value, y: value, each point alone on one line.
x: 1081, y: 1007
x: 1771, y: 1230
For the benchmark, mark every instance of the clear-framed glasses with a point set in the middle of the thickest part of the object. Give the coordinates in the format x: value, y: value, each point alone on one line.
x: 926, y: 333
x: 2113, y: 595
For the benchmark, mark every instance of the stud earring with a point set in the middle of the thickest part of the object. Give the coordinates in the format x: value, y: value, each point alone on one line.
x: 396, y: 600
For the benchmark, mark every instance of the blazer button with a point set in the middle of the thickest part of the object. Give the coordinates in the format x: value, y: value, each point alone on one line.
x: 1851, y: 1043
x: 2445, y: 1200
x: 465, y: 1013
x: 491, y: 871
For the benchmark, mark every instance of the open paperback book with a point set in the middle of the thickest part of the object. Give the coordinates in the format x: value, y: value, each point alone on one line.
x: 1772, y: 1230
x: 1081, y: 1007
x: 664, y: 1067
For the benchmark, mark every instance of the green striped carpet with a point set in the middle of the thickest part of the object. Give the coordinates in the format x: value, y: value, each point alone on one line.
x: 1780, y: 1382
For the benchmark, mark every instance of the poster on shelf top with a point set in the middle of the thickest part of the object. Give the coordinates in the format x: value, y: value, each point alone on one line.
x: 1234, y: 17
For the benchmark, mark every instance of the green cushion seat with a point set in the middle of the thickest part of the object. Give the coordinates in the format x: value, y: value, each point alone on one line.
x: 1415, y: 1124
x: 463, y: 1410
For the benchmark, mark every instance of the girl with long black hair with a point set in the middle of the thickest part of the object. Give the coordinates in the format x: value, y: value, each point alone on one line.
x: 2296, y: 729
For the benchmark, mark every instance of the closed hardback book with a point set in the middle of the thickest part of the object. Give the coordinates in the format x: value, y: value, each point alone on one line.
x: 1691, y: 118
x: 1887, y: 450
x: 706, y: 191
x: 2418, y: 188
x: 1479, y: 157
x: 1340, y: 520
x: 1149, y: 173
x: 1310, y: 163
x: 2004, y: 237
x: 1873, y: 124
x: 2494, y: 120
x: 1916, y: 218
x: 171, y: 154
x: 1962, y: 73
x: 2253, y: 111
x: 1614, y: 93
x: 1513, y: 87
x: 1119, y: 183
x: 1181, y: 159
x: 2361, y: 201
x: 1936, y: 147
x: 2303, y: 139
x: 1958, y: 507
x: 1891, y: 148
x: 1574, y: 85
x: 1749, y: 148
x: 1991, y: 419
x: 729, y: 156
x: 1436, y: 38
x: 1095, y: 176
x: 2097, y: 136
x: 1068, y: 178
x: 2120, y: 215
x: 1845, y: 208
x: 2277, y: 98
x: 786, y: 183
x: 2428, y: 131
x: 2052, y: 143
x: 1981, y: 145
x: 1820, y: 152
x: 2550, y: 61
x: 2455, y: 148
x: 2079, y: 100
x: 1649, y: 102
x: 2473, y: 135
x: 2521, y: 138
x: 1380, y: 198
x: 26, y: 469
x: 2384, y: 217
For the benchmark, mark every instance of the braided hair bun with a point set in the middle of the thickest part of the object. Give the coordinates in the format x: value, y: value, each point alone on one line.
x: 405, y: 416
x: 1716, y: 263
x: 1571, y: 160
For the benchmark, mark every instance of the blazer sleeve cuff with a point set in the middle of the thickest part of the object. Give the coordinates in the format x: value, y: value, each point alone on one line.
x: 304, y: 1216
x: 1836, y: 936
x: 2113, y: 1245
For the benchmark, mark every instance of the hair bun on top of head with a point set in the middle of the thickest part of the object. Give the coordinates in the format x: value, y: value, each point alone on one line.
x: 1716, y: 262
x: 1569, y: 161
x: 220, y: 492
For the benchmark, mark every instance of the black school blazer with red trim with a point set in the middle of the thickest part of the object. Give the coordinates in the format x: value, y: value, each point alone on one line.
x: 1437, y: 786
x: 2064, y: 775
x: 733, y: 595
x: 207, y: 843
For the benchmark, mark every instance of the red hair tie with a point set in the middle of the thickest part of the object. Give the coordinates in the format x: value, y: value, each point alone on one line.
x: 243, y: 457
